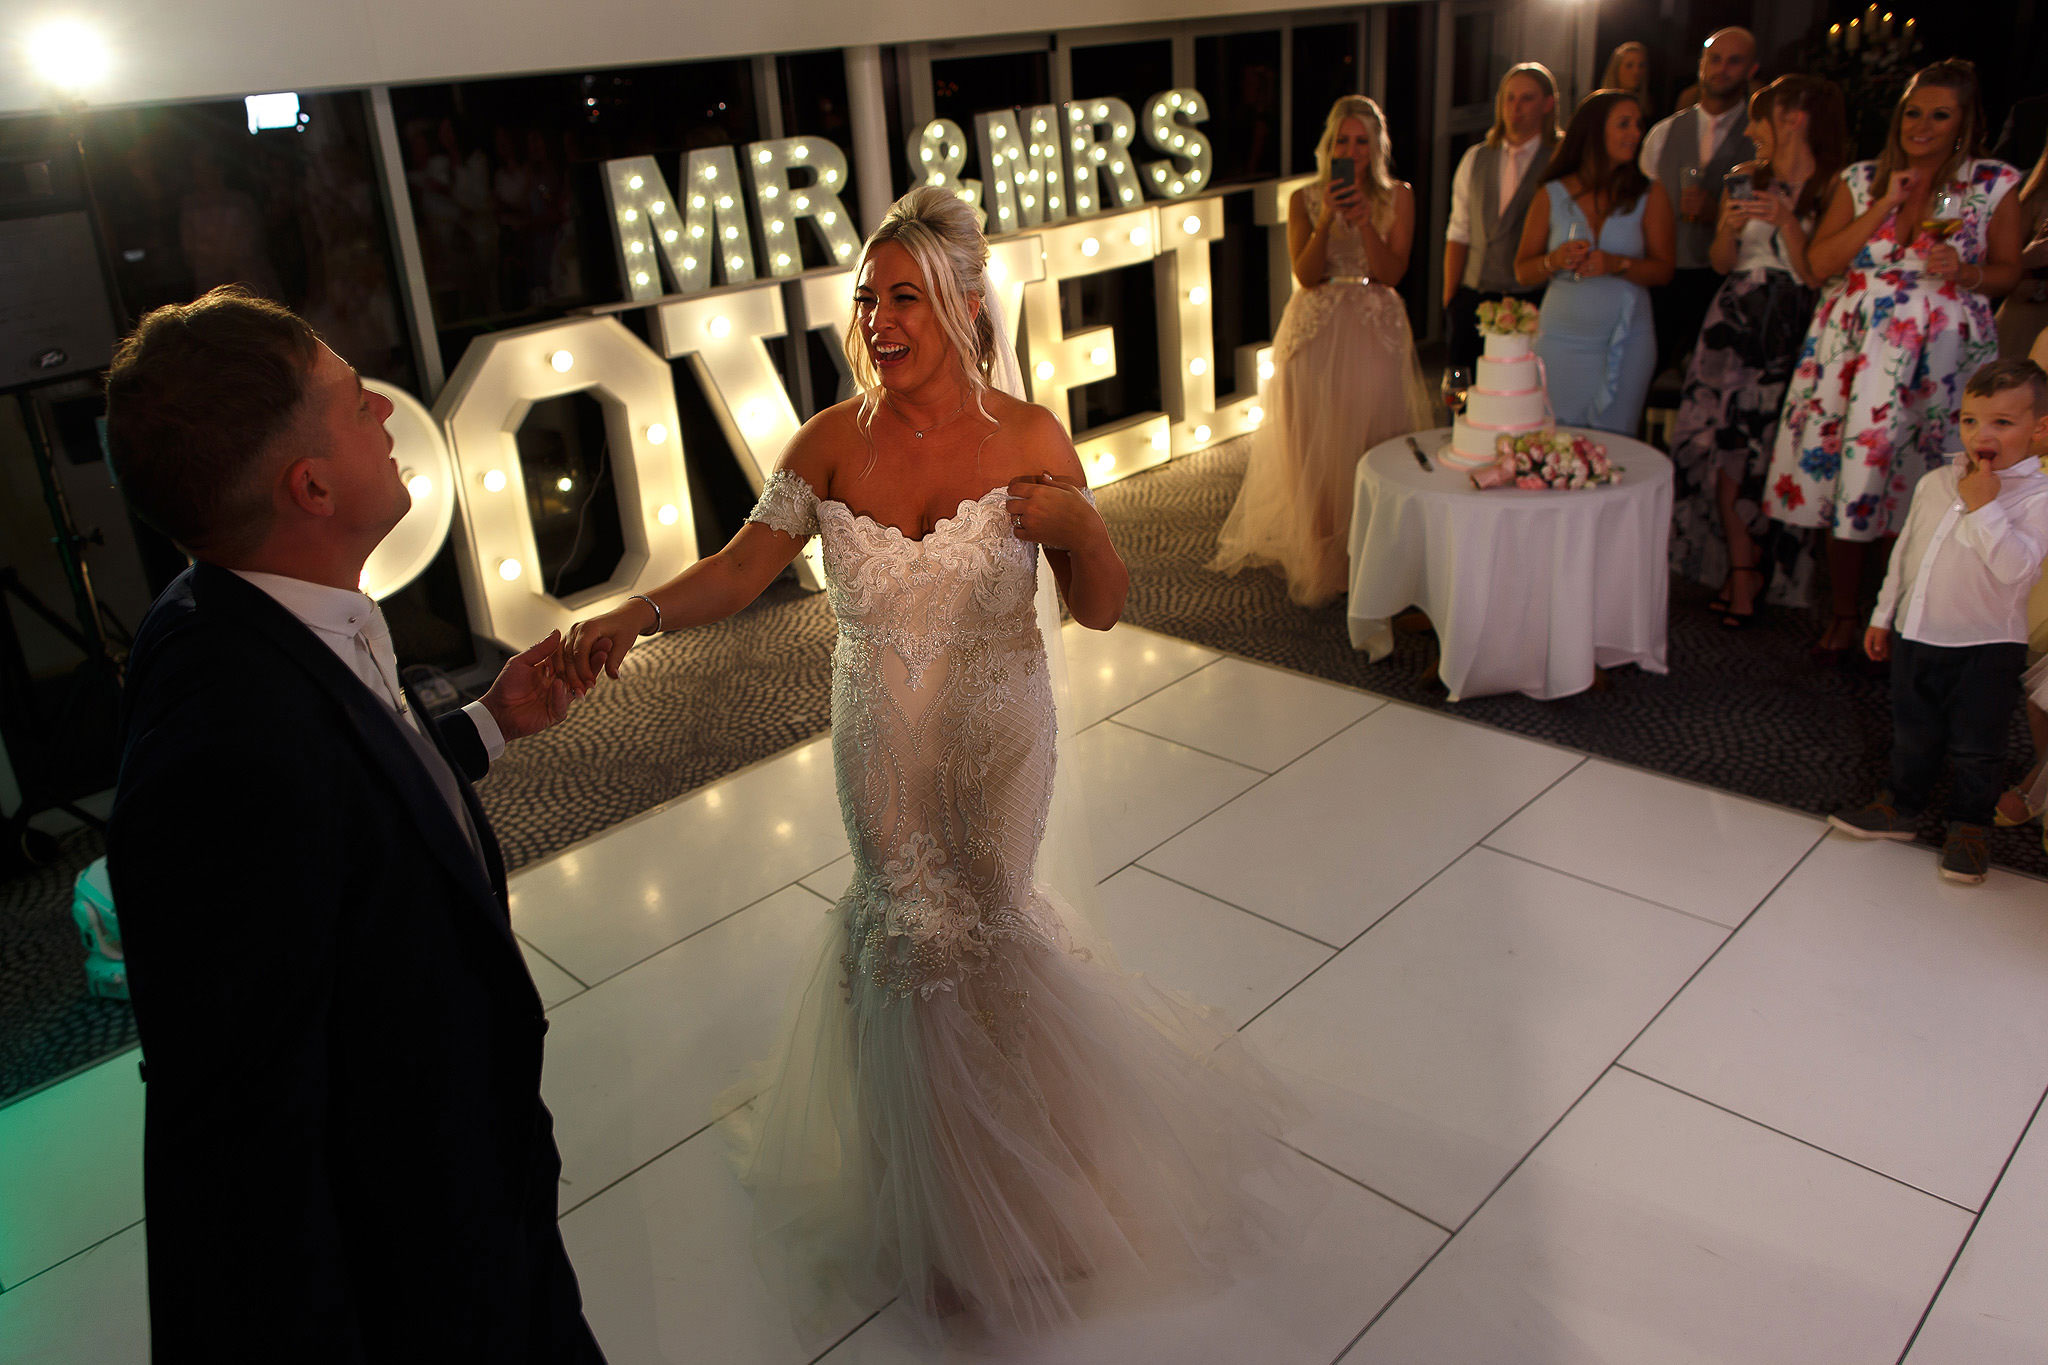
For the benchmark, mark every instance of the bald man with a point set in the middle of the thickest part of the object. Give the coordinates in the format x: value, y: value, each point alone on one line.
x: 1688, y: 154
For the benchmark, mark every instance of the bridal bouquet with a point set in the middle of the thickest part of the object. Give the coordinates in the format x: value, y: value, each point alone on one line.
x: 1508, y: 317
x: 1547, y: 459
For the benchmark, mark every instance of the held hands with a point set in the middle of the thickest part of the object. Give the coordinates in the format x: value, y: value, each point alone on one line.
x: 1051, y: 512
x: 1978, y: 484
x: 1877, y: 644
x: 598, y: 646
x: 531, y: 692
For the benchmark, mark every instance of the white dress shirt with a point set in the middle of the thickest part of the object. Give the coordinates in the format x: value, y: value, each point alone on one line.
x: 1515, y: 162
x: 1963, y: 578
x: 1710, y: 129
x: 352, y: 625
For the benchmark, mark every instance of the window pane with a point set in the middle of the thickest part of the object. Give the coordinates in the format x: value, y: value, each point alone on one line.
x: 1471, y: 59
x: 1325, y: 67
x: 190, y: 199
x: 1132, y: 72
x: 814, y: 105
x: 965, y: 86
x: 506, y: 190
x: 1240, y: 73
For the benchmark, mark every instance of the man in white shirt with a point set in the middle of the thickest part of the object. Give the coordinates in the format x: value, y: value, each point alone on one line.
x: 1689, y: 154
x: 1490, y: 197
x: 1956, y: 599
x: 345, y: 1154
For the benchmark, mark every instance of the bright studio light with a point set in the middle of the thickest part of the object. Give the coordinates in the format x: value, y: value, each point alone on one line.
x: 69, y: 55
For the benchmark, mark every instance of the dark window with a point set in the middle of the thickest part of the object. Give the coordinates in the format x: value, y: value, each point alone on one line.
x: 1472, y: 69
x: 505, y: 185
x: 965, y: 86
x: 1240, y: 74
x: 1132, y: 72
x: 1241, y: 290
x: 1411, y: 30
x: 814, y: 105
x: 1325, y: 67
x: 190, y: 199
x: 1121, y: 300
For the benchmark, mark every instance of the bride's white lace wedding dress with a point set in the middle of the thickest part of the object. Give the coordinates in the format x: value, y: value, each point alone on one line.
x: 967, y: 1108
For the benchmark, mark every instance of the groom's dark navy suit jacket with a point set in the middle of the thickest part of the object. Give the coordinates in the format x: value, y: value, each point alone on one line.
x: 346, y: 1157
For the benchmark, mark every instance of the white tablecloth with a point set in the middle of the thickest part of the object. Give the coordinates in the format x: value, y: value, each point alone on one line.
x: 1528, y: 591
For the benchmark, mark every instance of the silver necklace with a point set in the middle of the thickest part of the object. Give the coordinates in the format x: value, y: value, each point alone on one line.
x: 935, y: 425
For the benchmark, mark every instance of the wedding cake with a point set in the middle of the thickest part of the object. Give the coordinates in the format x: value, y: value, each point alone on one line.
x: 1507, y: 397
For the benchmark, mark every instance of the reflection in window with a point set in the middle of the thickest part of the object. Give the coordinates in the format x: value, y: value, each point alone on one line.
x: 1240, y: 73
x: 570, y: 494
x: 505, y: 183
x: 190, y: 199
x: 1325, y: 67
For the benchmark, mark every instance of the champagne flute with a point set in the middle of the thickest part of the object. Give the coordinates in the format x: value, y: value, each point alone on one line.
x: 1457, y: 384
x: 1574, y: 231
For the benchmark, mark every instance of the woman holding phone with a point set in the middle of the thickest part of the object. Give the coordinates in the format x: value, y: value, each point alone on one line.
x: 1345, y: 376
x: 1922, y: 239
x: 1735, y: 381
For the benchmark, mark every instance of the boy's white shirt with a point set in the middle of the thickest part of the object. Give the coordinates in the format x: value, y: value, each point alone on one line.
x: 1962, y: 578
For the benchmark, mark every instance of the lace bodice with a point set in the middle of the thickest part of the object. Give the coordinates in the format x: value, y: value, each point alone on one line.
x: 1344, y: 252
x: 942, y: 735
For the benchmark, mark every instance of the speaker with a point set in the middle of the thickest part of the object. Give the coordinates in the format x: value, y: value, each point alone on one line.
x: 57, y: 308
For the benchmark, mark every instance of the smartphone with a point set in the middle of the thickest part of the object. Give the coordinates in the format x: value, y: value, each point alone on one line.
x: 1738, y: 185
x: 1343, y: 170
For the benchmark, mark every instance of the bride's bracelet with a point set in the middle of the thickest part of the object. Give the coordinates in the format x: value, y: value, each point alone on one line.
x: 654, y: 629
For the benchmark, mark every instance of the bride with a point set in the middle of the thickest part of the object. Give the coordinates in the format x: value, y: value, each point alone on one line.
x: 967, y: 1108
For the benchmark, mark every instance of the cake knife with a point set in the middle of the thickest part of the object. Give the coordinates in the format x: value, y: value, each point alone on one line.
x: 1421, y: 458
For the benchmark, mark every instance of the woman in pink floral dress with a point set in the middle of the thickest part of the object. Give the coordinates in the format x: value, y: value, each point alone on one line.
x: 1872, y: 405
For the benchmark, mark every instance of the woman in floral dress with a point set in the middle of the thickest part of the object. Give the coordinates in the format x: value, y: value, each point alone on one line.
x: 1873, y: 403
x: 1735, y: 382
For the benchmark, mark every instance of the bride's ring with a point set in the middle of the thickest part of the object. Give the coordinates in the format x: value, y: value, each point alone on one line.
x: 1017, y: 523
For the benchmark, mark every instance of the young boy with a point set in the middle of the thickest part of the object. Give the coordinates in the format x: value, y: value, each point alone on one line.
x: 1960, y: 574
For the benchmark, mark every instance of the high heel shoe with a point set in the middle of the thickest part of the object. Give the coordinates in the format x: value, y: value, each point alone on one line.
x: 1732, y: 619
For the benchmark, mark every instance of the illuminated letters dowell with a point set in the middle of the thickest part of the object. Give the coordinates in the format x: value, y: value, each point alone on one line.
x: 713, y: 254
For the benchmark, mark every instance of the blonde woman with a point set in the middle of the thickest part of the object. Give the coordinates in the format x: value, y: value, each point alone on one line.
x: 1345, y: 375
x: 1628, y: 68
x: 963, y: 1110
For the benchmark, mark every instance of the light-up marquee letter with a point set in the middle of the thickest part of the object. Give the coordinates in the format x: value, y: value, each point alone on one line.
x: 1170, y: 128
x: 1026, y: 182
x: 1098, y: 137
x: 656, y: 238
x: 779, y: 206
x: 501, y: 376
x: 1187, y: 333
x: 937, y: 152
x: 725, y: 336
x: 429, y: 475
x: 1057, y: 362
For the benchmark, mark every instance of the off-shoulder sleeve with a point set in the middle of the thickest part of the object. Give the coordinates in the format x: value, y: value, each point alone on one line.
x: 787, y: 505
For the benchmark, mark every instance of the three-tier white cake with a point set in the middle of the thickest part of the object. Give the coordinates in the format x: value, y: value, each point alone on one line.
x: 1507, y: 398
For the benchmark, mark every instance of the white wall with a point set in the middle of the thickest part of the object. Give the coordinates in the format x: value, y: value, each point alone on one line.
x: 191, y: 49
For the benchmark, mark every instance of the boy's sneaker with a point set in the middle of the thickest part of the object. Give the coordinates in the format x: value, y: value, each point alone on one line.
x: 1878, y: 820
x: 1966, y: 853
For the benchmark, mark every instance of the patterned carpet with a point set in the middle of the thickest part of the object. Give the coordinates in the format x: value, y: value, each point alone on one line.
x: 1747, y: 712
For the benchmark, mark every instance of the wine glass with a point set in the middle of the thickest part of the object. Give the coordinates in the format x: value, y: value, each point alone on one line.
x: 1944, y: 215
x: 1457, y: 384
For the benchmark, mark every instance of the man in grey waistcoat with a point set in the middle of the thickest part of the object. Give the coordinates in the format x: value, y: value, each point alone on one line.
x: 1490, y: 197
x: 1688, y: 154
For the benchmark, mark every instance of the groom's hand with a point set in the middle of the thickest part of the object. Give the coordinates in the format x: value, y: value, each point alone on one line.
x: 531, y: 692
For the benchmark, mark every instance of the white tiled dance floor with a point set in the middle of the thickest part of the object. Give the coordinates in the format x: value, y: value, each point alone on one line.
x: 1603, y: 1067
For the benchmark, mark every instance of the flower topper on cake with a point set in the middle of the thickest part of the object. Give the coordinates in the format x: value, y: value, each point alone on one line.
x: 1547, y: 459
x: 1508, y: 317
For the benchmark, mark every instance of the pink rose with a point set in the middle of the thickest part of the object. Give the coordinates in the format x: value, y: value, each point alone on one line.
x: 1529, y: 481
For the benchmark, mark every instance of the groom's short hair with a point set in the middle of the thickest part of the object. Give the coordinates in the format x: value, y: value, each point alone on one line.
x: 197, y: 396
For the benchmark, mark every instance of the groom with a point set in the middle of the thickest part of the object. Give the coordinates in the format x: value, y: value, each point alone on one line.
x: 345, y: 1158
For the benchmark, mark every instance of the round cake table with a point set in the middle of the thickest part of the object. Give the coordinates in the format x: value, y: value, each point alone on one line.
x: 1529, y: 591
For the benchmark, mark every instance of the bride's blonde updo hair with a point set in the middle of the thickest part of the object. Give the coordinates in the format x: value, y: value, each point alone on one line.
x: 938, y: 229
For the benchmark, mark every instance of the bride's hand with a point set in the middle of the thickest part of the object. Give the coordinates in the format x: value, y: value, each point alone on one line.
x: 599, y: 645
x: 1050, y: 511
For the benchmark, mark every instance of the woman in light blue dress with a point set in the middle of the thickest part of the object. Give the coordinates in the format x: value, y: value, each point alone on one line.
x: 1601, y: 235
